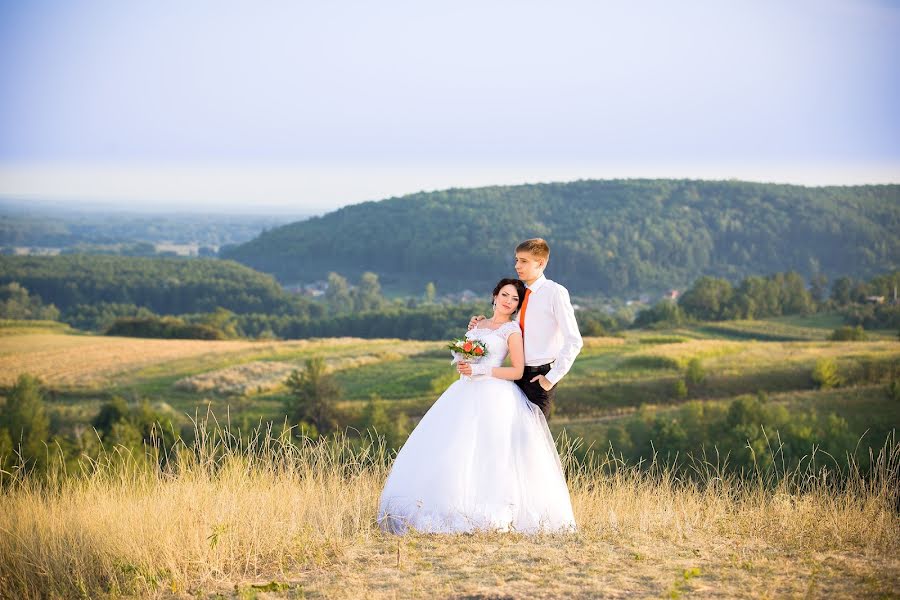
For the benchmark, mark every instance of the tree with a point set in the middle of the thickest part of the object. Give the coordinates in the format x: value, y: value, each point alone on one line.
x: 314, y: 394
x: 841, y: 290
x: 367, y: 295
x: 222, y: 320
x: 24, y: 418
x: 665, y: 312
x: 818, y: 286
x: 709, y: 299
x: 430, y: 292
x: 795, y: 299
x: 17, y: 303
x: 110, y: 413
x: 337, y: 295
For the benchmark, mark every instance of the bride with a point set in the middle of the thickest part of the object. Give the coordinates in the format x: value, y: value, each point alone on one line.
x: 482, y: 457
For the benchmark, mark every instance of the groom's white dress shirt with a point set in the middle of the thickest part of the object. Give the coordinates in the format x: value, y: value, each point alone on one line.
x: 551, y: 332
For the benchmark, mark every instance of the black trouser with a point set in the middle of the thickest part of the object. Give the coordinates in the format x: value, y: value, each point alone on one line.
x: 533, y: 391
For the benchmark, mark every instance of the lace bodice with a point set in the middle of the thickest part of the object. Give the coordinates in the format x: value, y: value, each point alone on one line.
x: 495, y: 341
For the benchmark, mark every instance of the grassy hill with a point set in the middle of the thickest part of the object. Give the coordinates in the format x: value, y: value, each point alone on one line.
x: 613, y: 237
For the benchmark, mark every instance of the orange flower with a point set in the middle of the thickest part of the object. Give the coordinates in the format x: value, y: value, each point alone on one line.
x: 467, y: 347
x: 478, y: 351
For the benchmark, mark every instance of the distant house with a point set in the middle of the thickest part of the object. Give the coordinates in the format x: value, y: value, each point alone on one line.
x: 315, y: 289
x: 671, y: 295
x: 875, y: 299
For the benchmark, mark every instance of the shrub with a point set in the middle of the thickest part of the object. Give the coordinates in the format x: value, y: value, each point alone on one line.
x: 695, y: 373
x: 848, y: 334
x: 648, y: 362
x: 825, y: 374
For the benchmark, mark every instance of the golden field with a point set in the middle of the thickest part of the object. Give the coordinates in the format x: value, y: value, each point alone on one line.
x: 276, y: 520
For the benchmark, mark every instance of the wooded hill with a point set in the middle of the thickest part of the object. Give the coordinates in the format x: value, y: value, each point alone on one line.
x: 163, y: 285
x: 611, y: 236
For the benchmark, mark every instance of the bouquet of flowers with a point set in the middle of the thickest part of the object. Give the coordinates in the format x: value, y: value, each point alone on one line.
x: 467, y: 350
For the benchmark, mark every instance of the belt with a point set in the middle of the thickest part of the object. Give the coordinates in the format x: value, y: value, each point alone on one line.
x: 529, y: 369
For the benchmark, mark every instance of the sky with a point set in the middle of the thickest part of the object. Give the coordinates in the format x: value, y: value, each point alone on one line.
x: 299, y: 106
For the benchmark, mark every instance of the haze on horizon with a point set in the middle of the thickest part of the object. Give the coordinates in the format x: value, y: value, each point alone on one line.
x: 304, y: 107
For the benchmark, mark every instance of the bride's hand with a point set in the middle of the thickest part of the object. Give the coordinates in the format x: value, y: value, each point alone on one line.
x: 464, y: 368
x: 474, y: 320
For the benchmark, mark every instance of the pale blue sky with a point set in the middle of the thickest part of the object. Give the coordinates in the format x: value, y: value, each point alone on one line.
x: 315, y: 105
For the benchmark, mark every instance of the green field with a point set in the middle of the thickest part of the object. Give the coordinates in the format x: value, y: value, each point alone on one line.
x: 612, y: 379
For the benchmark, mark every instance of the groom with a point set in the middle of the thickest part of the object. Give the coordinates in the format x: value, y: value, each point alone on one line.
x: 550, y: 332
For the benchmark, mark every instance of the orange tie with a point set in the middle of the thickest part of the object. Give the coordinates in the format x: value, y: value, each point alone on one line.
x: 522, y: 314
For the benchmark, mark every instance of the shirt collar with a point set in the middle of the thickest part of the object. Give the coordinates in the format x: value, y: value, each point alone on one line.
x: 537, y: 283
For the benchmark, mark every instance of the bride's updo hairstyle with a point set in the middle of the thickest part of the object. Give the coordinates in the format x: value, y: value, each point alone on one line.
x: 516, y: 283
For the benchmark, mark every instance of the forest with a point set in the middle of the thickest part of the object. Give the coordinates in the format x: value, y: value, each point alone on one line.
x: 610, y: 237
x: 220, y: 299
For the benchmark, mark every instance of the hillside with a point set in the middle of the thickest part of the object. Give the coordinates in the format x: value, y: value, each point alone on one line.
x: 610, y: 236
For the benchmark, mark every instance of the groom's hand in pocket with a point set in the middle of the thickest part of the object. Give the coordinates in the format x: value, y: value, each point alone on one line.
x: 543, y: 382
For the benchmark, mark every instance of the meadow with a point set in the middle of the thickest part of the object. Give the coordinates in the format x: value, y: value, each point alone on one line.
x: 273, y: 519
x: 237, y: 511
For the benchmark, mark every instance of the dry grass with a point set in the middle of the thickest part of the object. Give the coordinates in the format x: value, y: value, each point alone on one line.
x: 265, y: 376
x: 276, y: 519
x: 89, y: 361
x: 93, y: 362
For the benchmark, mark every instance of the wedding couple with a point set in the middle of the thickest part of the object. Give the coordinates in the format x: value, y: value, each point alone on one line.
x: 482, y: 457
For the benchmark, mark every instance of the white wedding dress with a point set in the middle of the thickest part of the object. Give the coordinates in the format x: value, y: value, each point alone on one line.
x: 482, y: 458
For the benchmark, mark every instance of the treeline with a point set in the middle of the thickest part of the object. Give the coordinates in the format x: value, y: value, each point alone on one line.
x: 17, y: 303
x: 423, y: 323
x: 609, y: 237
x: 170, y: 286
x: 213, y: 299
x: 716, y: 299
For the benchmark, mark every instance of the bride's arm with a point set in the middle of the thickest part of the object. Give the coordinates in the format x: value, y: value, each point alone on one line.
x: 516, y: 357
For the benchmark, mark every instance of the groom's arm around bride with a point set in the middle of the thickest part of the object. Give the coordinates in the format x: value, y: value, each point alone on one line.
x: 549, y: 329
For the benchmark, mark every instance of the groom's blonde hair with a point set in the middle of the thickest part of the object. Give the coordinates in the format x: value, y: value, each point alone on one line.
x: 536, y: 246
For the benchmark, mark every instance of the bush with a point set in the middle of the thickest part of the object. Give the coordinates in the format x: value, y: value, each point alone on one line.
x: 848, y: 334
x: 648, y: 362
x: 681, y: 390
x: 893, y: 390
x: 695, y: 373
x: 825, y: 374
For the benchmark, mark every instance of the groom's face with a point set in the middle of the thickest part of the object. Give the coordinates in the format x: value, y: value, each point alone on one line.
x: 528, y: 266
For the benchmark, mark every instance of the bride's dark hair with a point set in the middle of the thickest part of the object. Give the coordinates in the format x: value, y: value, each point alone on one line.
x: 516, y: 283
